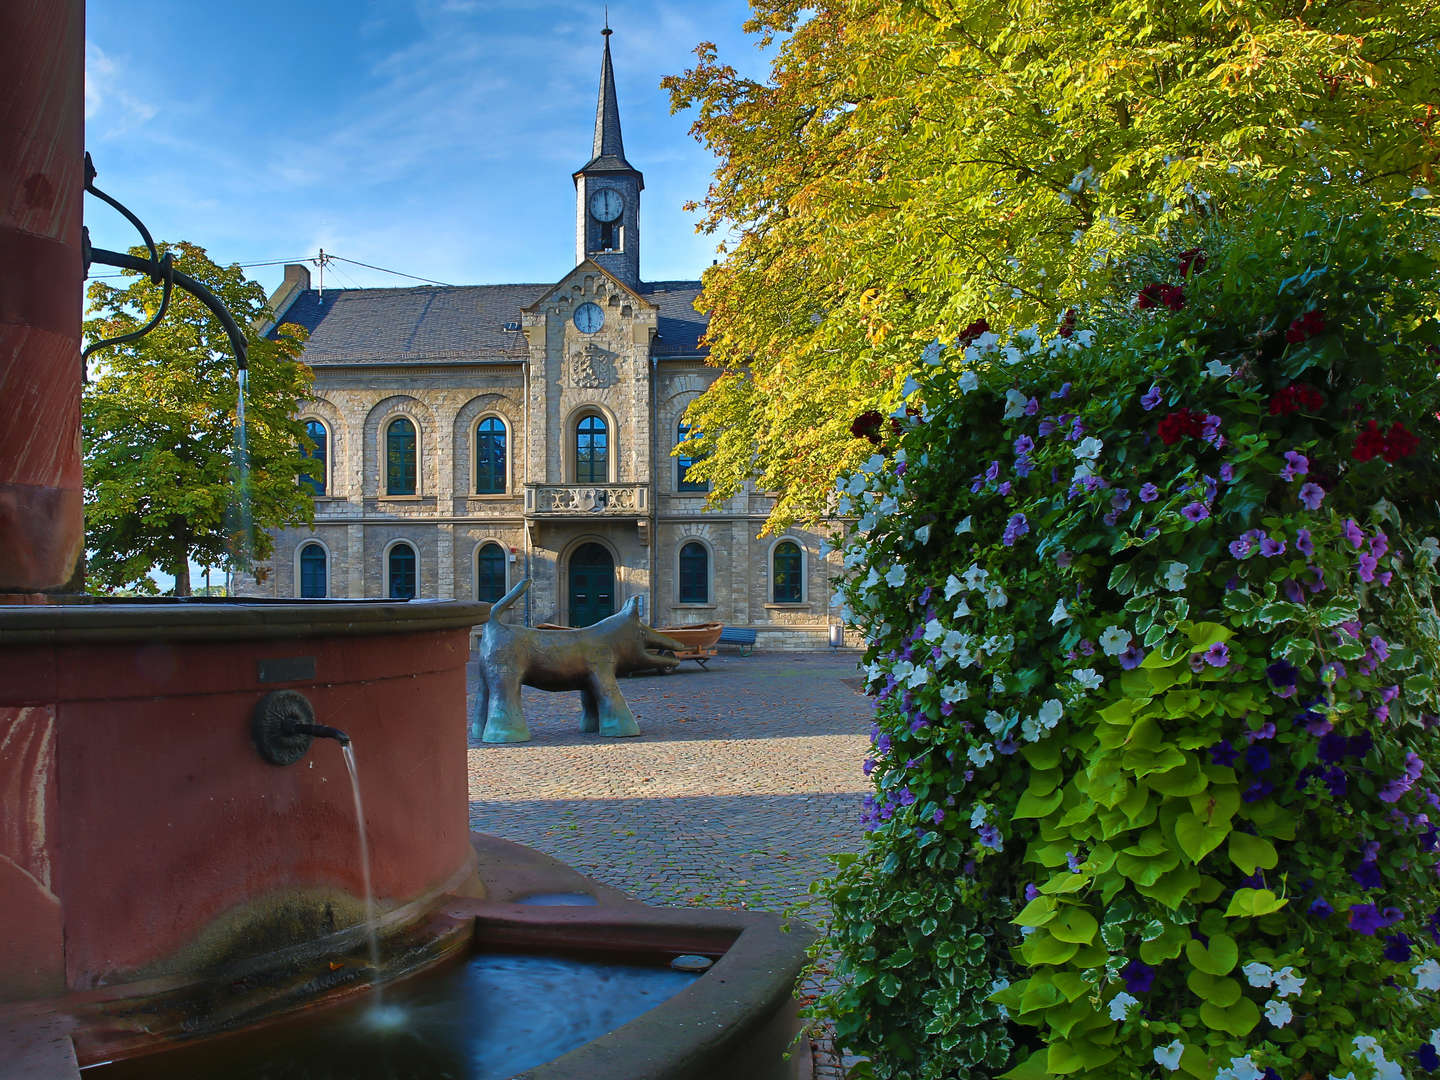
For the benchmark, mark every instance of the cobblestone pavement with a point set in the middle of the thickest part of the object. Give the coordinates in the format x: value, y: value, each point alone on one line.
x: 744, y: 777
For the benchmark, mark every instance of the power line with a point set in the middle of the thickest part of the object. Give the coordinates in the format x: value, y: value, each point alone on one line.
x: 313, y: 260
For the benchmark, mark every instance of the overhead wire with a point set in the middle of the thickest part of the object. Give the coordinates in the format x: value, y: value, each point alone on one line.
x: 308, y: 259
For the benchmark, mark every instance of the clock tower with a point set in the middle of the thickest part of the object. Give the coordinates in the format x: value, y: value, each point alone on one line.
x: 607, y: 191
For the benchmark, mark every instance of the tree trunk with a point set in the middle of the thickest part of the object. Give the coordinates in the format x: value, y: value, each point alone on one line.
x: 182, y: 577
x: 182, y: 556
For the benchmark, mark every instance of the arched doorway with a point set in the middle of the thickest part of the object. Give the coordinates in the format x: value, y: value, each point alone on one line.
x: 591, y: 585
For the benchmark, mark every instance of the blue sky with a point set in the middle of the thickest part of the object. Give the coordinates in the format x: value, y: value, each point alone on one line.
x: 409, y: 134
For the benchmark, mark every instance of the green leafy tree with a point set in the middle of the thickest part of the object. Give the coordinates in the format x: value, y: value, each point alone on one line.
x: 162, y: 483
x: 910, y: 167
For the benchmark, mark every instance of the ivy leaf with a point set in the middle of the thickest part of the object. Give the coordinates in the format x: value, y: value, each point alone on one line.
x: 1218, y: 958
x: 1250, y: 853
x: 1239, y: 1018
x: 1253, y: 903
x: 1197, y: 838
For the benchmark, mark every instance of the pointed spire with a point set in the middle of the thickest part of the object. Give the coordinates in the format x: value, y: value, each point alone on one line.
x: 609, y: 148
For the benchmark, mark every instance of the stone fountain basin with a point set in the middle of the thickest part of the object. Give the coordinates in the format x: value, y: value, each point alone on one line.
x: 738, y: 1019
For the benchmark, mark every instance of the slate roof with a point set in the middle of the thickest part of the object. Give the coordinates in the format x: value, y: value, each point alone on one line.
x: 459, y: 322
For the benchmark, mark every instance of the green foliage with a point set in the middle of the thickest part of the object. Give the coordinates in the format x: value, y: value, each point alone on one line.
x: 161, y: 483
x: 1151, y: 624
x: 909, y: 167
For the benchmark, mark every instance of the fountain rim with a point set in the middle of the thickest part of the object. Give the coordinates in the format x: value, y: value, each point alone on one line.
x: 101, y: 619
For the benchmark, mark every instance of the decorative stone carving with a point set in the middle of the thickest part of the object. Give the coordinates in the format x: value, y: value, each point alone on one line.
x: 592, y: 368
x: 587, y: 660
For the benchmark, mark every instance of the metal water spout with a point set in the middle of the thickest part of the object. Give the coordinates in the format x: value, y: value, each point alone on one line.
x: 283, y: 726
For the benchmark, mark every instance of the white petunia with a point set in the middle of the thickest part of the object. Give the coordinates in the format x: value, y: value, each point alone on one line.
x: 934, y: 631
x: 902, y: 670
x: 968, y: 381
x: 919, y: 677
x: 981, y: 755
x: 1287, y: 983
x: 1050, y: 713
x: 1240, y: 1068
x: 1088, y: 448
x: 962, y: 610
x: 952, y: 586
x: 994, y: 722
x: 922, y: 534
x: 1427, y: 975
x: 1011, y: 355
x: 871, y: 580
x: 1014, y: 404
x: 1169, y: 1055
x: 1217, y: 370
x: 1429, y: 549
x: 997, y: 685
x: 910, y: 386
x: 1278, y: 1012
x: 895, y: 576
x: 975, y: 578
x: 1258, y: 974
x: 1121, y: 1004
x: 873, y: 464
x: 955, y: 641
x: 962, y: 527
x: 1059, y: 615
x: 995, y: 596
x: 931, y: 355
x: 977, y: 816
x: 1030, y: 729
x: 1175, y: 574
x: 955, y: 692
x: 1115, y: 640
x: 1088, y: 678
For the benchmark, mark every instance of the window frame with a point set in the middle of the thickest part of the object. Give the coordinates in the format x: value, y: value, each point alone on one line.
x: 504, y: 569
x: 385, y: 431
x: 708, y: 577
x: 503, y: 435
x: 682, y: 465
x: 304, y: 546
x: 389, y: 568
x: 324, y: 448
x: 586, y: 417
x: 799, y: 597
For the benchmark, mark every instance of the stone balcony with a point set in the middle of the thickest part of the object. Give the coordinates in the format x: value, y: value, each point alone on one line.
x: 572, y: 502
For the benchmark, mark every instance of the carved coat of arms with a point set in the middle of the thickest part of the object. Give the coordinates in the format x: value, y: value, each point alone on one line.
x: 592, y: 367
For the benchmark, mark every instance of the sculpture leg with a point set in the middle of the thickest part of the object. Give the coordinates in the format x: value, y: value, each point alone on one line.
x: 616, y: 719
x: 504, y: 720
x: 590, y: 718
x: 482, y: 708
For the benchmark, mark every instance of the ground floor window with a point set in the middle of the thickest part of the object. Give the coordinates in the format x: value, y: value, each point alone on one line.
x: 694, y: 574
x: 312, y: 572
x: 401, y: 572
x: 490, y: 573
x: 785, y: 573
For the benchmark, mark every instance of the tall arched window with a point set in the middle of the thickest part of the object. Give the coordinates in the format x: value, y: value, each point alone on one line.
x: 314, y: 478
x: 490, y: 456
x: 694, y: 574
x: 682, y: 464
x: 400, y: 473
x: 786, y: 565
x: 401, y: 572
x: 313, y: 577
x: 592, y: 451
x: 490, y: 573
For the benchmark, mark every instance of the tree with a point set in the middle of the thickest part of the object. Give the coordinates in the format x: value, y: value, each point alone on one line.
x: 911, y: 167
x: 162, y: 486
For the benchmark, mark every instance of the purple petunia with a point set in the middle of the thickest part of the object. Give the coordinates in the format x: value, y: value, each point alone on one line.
x: 1257, y: 758
x: 1282, y: 673
x: 1195, y: 511
x: 1132, y: 657
x: 1397, y: 948
x: 1222, y: 753
x: 1063, y: 392
x: 1227, y: 473
x: 1032, y: 407
x: 1367, y: 919
x: 1151, y: 397
x: 1303, y: 543
x: 1218, y: 655
x: 1149, y: 493
x: 1271, y: 548
x: 1296, y: 464
x: 1367, y: 874
x: 1320, y: 908
x: 1047, y: 427
x: 990, y: 837
x: 1365, y: 566
x: 992, y: 472
x: 1353, y: 534
x: 1210, y: 430
x: 1311, y: 496
x: 1031, y: 892
x: 1139, y: 977
x: 1240, y: 548
x: 1015, y: 528
x: 1120, y: 501
x: 1023, y: 445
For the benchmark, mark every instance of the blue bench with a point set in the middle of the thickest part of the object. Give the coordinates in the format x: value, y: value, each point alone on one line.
x: 735, y: 635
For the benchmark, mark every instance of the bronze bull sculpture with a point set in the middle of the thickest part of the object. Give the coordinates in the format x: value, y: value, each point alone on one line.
x: 587, y: 660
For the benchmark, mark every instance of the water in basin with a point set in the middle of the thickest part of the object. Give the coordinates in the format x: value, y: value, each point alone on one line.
x: 486, y: 1018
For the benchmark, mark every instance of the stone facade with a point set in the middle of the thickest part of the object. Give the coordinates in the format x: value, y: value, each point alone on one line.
x: 599, y: 350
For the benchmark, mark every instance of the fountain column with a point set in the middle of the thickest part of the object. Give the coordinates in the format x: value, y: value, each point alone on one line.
x: 42, y: 154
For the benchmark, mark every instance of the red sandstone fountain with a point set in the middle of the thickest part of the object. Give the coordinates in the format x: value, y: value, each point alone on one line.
x: 161, y: 881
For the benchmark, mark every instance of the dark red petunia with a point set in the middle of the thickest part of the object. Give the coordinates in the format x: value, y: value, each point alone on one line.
x: 1306, y: 326
x: 867, y: 426
x: 1067, y: 323
x: 973, y: 331
x: 1369, y: 442
x: 1192, y: 262
x: 1177, y: 425
x: 1158, y: 293
x: 1399, y: 443
x: 1296, y: 397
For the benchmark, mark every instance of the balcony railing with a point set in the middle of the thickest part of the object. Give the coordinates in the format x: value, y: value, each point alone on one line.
x: 587, y: 500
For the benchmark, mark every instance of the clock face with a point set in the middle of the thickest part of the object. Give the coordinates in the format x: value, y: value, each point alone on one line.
x: 589, y: 318
x: 606, y: 204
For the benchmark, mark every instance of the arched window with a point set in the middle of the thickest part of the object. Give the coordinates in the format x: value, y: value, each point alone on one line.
x: 400, y: 457
x: 315, y: 477
x: 400, y: 572
x: 313, y: 577
x: 490, y: 573
x: 490, y: 456
x: 592, y: 451
x: 694, y: 574
x: 682, y: 464
x: 786, y: 565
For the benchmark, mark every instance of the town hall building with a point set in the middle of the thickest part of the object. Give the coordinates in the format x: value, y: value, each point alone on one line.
x: 469, y: 436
